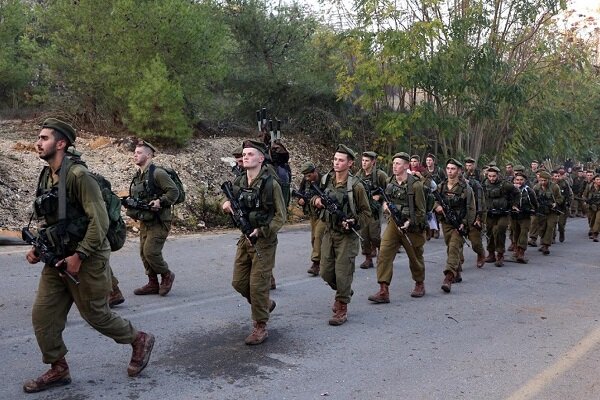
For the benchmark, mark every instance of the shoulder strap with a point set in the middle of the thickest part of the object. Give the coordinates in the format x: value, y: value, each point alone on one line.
x: 151, y: 170
x: 350, y: 191
x: 411, y: 197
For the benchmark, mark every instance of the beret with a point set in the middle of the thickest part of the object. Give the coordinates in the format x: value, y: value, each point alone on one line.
x: 307, y: 168
x: 469, y: 160
x: 493, y: 168
x: 454, y: 161
x: 62, y: 127
x: 147, y: 144
x: 545, y: 175
x: 370, y: 154
x: 346, y: 150
x: 255, y: 144
x: 401, y: 155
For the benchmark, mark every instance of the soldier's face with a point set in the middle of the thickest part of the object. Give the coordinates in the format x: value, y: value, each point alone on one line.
x: 367, y: 163
x: 509, y: 169
x: 240, y: 161
x: 597, y: 181
x: 414, y: 163
x: 470, y: 166
x: 534, y: 166
x: 588, y: 176
x: 518, y: 181
x: 452, y: 171
x: 47, y: 145
x: 492, y: 176
x: 311, y: 176
x: 555, y: 178
x: 252, y: 158
x: 342, y: 162
x: 543, y: 181
x: 141, y: 155
x: 429, y: 162
x: 399, y: 166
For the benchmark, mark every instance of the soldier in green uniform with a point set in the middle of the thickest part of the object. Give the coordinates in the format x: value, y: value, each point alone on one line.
x: 317, y: 227
x: 567, y: 194
x: 578, y: 205
x: 437, y: 175
x: 340, y: 243
x: 592, y: 198
x: 532, y: 173
x: 499, y: 198
x: 471, y: 171
x: 549, y: 198
x: 478, y: 225
x: 589, y: 181
x: 83, y: 249
x: 372, y: 178
x: 260, y: 197
x: 524, y: 206
x: 406, y: 191
x: 457, y: 193
x: 154, y: 186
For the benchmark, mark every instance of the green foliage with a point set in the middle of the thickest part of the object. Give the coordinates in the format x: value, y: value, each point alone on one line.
x: 156, y: 106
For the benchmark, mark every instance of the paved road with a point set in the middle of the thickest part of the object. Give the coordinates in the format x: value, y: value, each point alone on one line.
x: 518, y: 332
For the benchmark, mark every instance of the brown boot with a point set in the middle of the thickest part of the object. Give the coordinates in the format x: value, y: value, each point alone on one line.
x: 532, y: 242
x: 151, y: 287
x: 491, y: 257
x: 142, y: 348
x: 436, y: 234
x: 167, y: 283
x: 561, y: 236
x: 447, y: 284
x: 512, y: 246
x: 545, y: 250
x: 419, y: 290
x: 273, y: 284
x: 499, y: 259
x: 480, y: 260
x: 57, y: 375
x: 341, y: 315
x: 457, y: 277
x: 383, y: 296
x: 521, y: 256
x: 259, y: 334
x: 115, y: 297
x: 595, y: 237
x: 368, y: 263
x: 315, y: 268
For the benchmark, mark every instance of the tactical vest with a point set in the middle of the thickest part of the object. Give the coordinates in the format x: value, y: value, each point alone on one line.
x: 344, y: 198
x: 594, y: 198
x: 370, y: 184
x: 480, y: 205
x: 545, y: 199
x: 403, y: 197
x: 305, y: 187
x: 524, y: 203
x: 456, y: 198
x: 256, y: 200
x: 140, y: 189
x: 496, y: 196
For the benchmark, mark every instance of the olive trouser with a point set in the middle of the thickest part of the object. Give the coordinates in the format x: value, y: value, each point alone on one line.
x: 474, y: 236
x: 578, y: 207
x: 252, y: 274
x: 496, y: 228
x: 152, y: 240
x: 54, y: 300
x: 391, y: 241
x: 338, y: 252
x: 594, y: 217
x: 520, y: 231
x: 562, y: 221
x: 371, y: 233
x: 545, y: 227
x: 317, y: 229
x: 454, y: 244
x: 113, y: 279
x: 533, y: 228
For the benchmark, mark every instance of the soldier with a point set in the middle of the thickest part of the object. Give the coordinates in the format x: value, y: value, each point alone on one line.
x: 458, y: 195
x: 154, y: 186
x: 84, y: 253
x: 372, y: 179
x: 567, y: 194
x: 478, y: 225
x: 592, y: 197
x: 578, y: 208
x: 317, y: 227
x: 471, y: 172
x: 589, y: 181
x: 437, y: 175
x: 407, y: 193
x: 509, y: 172
x: 499, y: 198
x: 238, y: 168
x: 415, y: 164
x: 549, y: 198
x: 340, y: 243
x: 261, y: 198
x: 525, y: 205
x: 532, y: 174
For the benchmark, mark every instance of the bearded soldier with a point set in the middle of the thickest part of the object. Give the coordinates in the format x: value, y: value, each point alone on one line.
x: 567, y: 194
x: 524, y: 206
x: 549, y: 198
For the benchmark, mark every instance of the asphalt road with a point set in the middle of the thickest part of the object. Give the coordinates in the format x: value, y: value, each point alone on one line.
x: 517, y: 332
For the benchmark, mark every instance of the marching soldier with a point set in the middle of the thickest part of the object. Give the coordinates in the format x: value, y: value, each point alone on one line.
x: 471, y: 171
x: 406, y: 192
x: 592, y: 198
x: 317, y: 227
x: 525, y: 205
x: 458, y: 195
x: 578, y: 187
x: 549, y: 198
x: 372, y: 179
x: 478, y: 225
x: 589, y: 181
x: 340, y: 241
x: 567, y: 194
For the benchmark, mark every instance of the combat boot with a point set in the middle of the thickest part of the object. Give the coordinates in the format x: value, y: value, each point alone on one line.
x: 259, y: 334
x: 595, y: 237
x: 115, y: 297
x: 561, y: 236
x: 512, y: 246
x: 341, y: 314
x: 491, y: 257
x: 142, y: 348
x: 480, y: 260
x: 521, y: 256
x: 545, y: 250
x: 152, y: 287
x: 447, y: 284
x: 532, y: 242
x: 499, y: 259
x: 590, y: 234
x: 167, y: 283
x: 419, y: 290
x: 368, y: 263
x: 315, y: 268
x: 272, y: 306
x: 57, y: 375
x: 383, y: 296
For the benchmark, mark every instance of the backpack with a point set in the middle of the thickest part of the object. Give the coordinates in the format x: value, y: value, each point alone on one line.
x: 174, y: 177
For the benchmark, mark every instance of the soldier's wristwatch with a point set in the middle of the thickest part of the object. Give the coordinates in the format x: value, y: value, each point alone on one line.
x: 82, y: 256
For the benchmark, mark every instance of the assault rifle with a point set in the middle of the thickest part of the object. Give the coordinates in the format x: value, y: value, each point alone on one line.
x: 46, y: 253
x: 238, y: 216
x: 451, y: 217
x: 495, y: 212
x: 333, y: 208
x: 135, y: 204
x: 396, y: 215
x: 301, y: 195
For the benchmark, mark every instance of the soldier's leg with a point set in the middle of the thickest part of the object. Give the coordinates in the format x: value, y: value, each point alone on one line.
x: 500, y: 240
x: 562, y: 223
x: 346, y: 252
x: 143, y: 238
x: 533, y: 231
x: 390, y: 243
x: 416, y: 263
x: 260, y: 280
x: 49, y: 315
x: 454, y: 242
x: 596, y: 225
x: 153, y: 245
x: 492, y: 231
x: 376, y: 238
x: 241, y: 269
x: 319, y: 232
x: 548, y: 229
x: 328, y: 252
x: 365, y: 231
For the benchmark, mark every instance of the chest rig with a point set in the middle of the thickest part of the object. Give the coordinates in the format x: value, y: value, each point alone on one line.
x: 456, y: 197
x: 257, y: 199
x: 344, y: 197
x: 403, y: 196
x: 496, y: 196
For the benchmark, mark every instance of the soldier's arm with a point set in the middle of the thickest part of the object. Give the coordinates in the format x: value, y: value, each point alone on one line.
x: 533, y: 198
x: 382, y: 179
x: 86, y: 190
x: 280, y: 213
x: 419, y: 202
x: 471, y: 211
x: 558, y: 197
x: 363, y: 209
x: 167, y: 186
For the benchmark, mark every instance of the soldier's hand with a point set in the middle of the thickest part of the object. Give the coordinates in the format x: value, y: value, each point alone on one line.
x: 461, y: 228
x: 477, y: 223
x: 227, y: 207
x: 385, y: 207
x: 376, y: 197
x: 255, y: 232
x: 318, y: 203
x: 155, y: 204
x: 301, y: 202
x: 439, y: 209
x: 347, y: 224
x: 553, y: 205
x: 405, y: 225
x: 73, y: 264
x: 32, y: 256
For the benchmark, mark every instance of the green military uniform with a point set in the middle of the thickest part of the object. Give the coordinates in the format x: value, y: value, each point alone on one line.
x: 371, y: 230
x: 154, y: 226
x: 317, y: 227
x: 403, y: 194
x: 578, y: 205
x: 546, y: 216
x: 461, y: 200
x: 474, y: 234
x: 592, y: 198
x: 340, y: 246
x: 499, y: 198
x: 524, y: 206
x: 87, y: 227
x: 262, y: 200
x: 567, y: 193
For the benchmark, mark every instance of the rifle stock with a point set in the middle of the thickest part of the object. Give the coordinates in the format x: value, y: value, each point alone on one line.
x: 239, y: 217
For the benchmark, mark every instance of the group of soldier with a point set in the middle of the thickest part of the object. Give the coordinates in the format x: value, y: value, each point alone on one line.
x: 345, y: 212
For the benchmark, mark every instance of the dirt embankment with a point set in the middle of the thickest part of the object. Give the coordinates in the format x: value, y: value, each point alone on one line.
x: 202, y: 166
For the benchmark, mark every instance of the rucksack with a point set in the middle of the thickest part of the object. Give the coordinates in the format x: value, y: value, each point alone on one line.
x: 174, y: 177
